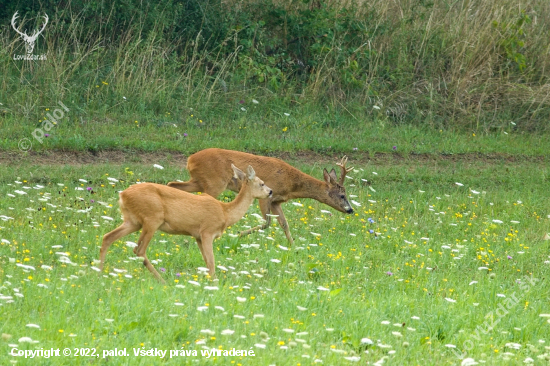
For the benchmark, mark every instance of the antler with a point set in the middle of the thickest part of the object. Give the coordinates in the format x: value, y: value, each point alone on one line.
x: 35, y: 34
x: 43, y: 27
x: 343, y: 169
x: 13, y: 25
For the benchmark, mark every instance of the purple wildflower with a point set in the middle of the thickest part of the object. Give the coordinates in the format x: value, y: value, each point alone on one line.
x: 354, y: 149
x: 178, y: 274
x: 89, y: 189
x: 46, y: 135
x: 92, y: 201
x: 389, y: 273
x: 162, y: 269
x: 185, y: 134
x: 509, y: 257
x: 395, y: 147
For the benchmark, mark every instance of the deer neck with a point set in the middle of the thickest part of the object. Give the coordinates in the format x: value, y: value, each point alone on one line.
x: 309, y: 187
x: 236, y: 209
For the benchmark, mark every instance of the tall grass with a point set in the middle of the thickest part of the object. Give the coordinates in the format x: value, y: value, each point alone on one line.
x: 463, y: 64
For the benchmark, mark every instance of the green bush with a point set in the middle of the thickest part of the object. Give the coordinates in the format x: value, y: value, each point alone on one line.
x: 466, y: 64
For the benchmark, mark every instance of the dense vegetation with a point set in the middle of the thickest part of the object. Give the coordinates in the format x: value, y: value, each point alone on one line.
x: 464, y: 64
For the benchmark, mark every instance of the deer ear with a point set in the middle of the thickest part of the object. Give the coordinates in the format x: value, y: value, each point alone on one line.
x: 329, y: 177
x: 237, y: 173
x: 251, y: 173
x: 326, y: 176
x: 333, y: 175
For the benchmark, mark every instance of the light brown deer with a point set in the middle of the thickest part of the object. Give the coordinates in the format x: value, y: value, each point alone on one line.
x: 151, y: 207
x: 210, y: 174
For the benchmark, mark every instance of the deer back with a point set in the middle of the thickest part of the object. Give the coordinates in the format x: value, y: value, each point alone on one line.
x: 214, y: 167
x: 183, y: 211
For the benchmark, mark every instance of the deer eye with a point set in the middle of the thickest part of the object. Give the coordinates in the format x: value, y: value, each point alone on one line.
x: 342, y: 196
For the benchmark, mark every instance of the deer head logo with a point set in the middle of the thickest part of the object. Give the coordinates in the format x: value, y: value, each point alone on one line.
x: 29, y: 40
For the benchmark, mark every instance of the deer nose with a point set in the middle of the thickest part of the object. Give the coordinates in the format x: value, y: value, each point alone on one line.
x: 270, y: 193
x: 350, y: 210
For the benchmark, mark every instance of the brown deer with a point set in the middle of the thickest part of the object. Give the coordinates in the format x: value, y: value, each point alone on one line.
x: 210, y: 174
x: 151, y: 207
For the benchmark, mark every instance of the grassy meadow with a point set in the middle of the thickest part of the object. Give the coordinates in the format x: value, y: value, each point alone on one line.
x: 442, y: 107
x: 443, y: 261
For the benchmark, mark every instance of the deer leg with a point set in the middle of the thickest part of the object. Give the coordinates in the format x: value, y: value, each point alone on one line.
x: 199, y: 244
x: 194, y: 186
x: 214, y: 191
x: 265, y: 207
x: 190, y: 186
x: 207, y: 251
x: 278, y: 210
x: 146, y: 235
x: 109, y: 238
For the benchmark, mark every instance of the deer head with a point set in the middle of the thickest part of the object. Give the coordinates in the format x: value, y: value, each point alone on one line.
x: 336, y: 190
x: 29, y: 40
x: 259, y: 189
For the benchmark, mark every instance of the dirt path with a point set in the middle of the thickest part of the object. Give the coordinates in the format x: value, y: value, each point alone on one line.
x: 77, y: 158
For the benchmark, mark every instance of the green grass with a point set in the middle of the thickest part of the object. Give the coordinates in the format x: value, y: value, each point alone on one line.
x: 306, y: 131
x: 425, y: 95
x: 390, y: 286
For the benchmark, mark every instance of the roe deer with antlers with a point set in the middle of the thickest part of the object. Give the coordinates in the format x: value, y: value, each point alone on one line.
x: 209, y: 174
x: 153, y: 207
